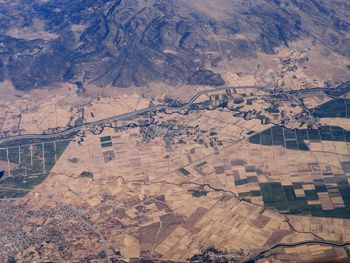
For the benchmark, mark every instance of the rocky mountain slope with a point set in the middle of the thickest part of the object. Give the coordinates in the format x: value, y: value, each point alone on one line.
x: 135, y: 42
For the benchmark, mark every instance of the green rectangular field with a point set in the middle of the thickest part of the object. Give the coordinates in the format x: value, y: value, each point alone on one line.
x: 292, y: 145
x: 289, y: 134
x: 266, y: 137
x: 277, y: 135
x: 26, y: 156
x: 13, y: 154
x: 38, y: 163
x: 3, y: 155
x: 314, y: 135
x: 337, y: 133
x: 241, y: 182
x: 106, y: 139
x: 49, y: 153
x: 302, y: 136
x: 106, y: 144
x: 326, y: 134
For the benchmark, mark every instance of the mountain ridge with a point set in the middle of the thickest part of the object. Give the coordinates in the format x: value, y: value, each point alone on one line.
x: 127, y: 43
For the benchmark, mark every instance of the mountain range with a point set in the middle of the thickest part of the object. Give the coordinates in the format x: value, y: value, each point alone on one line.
x: 126, y: 43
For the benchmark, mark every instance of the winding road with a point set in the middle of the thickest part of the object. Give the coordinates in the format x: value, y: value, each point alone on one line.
x: 155, y: 109
x: 158, y: 108
x: 118, y: 117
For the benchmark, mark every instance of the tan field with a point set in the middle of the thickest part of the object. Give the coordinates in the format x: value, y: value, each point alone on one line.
x: 190, y: 180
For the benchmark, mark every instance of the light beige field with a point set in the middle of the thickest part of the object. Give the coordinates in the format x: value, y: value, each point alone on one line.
x: 189, y: 181
x: 143, y: 202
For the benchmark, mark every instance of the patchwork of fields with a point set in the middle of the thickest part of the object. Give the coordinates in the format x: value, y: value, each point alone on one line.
x: 28, y: 164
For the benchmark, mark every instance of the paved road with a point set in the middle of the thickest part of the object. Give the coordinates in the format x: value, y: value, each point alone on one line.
x: 118, y: 117
x: 146, y: 110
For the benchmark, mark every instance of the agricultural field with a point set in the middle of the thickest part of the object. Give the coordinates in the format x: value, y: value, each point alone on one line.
x: 299, y: 139
x: 25, y: 165
x: 168, y: 184
x: 174, y: 131
x: 337, y: 108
